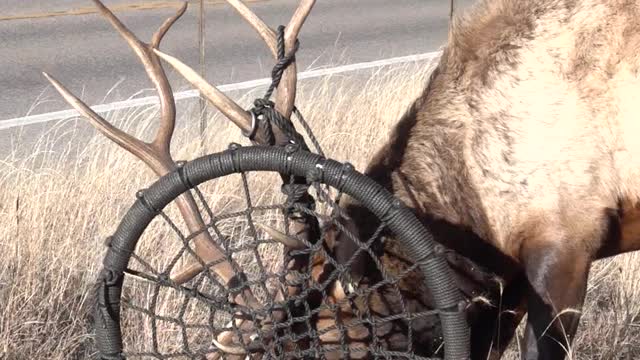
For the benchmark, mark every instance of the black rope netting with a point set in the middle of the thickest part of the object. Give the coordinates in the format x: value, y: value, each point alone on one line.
x: 394, y: 311
x: 284, y: 292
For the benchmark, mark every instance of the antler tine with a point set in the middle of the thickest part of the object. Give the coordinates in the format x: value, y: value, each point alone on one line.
x: 138, y: 148
x: 266, y: 33
x: 166, y: 25
x: 237, y: 115
x: 155, y: 154
x: 289, y: 241
x: 228, y: 107
x: 286, y: 95
x: 297, y: 20
x: 153, y: 67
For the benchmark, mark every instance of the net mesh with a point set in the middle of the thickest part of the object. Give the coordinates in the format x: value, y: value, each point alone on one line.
x: 310, y: 307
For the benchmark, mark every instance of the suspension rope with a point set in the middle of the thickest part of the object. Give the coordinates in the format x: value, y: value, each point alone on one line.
x: 264, y: 111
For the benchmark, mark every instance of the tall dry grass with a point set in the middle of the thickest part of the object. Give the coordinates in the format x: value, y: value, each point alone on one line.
x: 59, y: 203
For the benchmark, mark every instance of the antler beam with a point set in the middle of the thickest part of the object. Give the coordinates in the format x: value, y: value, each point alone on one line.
x: 284, y: 104
x: 156, y: 154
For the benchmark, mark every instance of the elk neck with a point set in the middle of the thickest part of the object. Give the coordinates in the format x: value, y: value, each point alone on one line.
x: 442, y: 205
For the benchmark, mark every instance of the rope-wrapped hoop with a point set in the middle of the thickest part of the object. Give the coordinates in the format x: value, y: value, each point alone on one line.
x: 399, y: 221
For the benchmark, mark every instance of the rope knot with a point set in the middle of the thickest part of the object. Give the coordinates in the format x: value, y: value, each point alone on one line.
x: 264, y: 113
x: 259, y: 105
x: 284, y: 60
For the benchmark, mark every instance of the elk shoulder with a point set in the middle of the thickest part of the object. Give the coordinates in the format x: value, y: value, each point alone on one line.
x: 529, y: 122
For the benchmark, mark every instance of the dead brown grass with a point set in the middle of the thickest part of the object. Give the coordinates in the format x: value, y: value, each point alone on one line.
x: 58, y: 204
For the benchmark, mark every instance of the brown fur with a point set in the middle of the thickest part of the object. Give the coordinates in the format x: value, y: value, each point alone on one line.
x: 527, y: 137
x: 476, y: 151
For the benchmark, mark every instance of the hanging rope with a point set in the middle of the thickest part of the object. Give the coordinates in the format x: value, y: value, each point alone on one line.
x: 264, y: 110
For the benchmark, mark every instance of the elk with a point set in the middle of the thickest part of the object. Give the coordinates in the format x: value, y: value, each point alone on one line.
x: 519, y: 155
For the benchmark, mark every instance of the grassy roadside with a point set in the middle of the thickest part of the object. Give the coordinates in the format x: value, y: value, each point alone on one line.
x: 58, y: 205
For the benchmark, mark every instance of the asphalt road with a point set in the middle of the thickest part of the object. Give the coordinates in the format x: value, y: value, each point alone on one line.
x: 87, y: 55
x: 90, y: 58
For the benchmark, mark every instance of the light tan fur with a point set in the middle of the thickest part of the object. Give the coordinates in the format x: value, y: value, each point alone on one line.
x: 528, y: 135
x: 532, y: 120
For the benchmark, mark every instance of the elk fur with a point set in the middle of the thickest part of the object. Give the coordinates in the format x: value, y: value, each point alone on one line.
x: 520, y: 155
x: 529, y: 121
x: 525, y: 144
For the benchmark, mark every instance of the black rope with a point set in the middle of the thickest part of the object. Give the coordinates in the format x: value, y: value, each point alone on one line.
x: 284, y: 60
x: 264, y: 112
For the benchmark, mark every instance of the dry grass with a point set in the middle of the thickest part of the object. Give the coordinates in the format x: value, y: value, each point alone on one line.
x: 58, y: 204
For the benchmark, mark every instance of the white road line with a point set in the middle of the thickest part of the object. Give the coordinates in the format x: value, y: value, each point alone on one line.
x: 65, y: 114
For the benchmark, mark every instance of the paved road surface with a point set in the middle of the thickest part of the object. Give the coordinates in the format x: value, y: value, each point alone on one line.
x: 88, y: 56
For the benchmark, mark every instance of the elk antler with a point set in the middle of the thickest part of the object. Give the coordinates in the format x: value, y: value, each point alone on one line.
x: 286, y: 90
x: 284, y: 104
x: 285, y: 97
x: 156, y: 154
